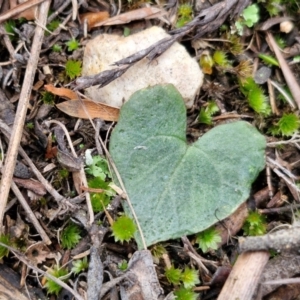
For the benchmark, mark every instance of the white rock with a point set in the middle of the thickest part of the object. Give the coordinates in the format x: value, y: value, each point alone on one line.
x: 174, y: 66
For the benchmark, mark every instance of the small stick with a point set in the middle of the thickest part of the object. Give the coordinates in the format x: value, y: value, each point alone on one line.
x: 18, y: 9
x: 17, y: 130
x: 30, y: 214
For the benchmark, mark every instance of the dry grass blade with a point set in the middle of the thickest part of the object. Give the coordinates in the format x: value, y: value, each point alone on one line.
x: 287, y: 73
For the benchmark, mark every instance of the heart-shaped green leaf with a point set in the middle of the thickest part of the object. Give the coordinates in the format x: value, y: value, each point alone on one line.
x: 178, y: 189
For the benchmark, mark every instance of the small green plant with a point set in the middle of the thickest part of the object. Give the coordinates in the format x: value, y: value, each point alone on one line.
x: 158, y: 250
x: 189, y: 277
x: 123, y: 229
x: 30, y: 125
x: 268, y: 59
x: 220, y: 59
x: 281, y: 42
x: 273, y: 7
x: 51, y: 286
x: 205, y: 115
x: 72, y: 45
x: 185, y: 15
x: 63, y: 174
x: 249, y: 18
x: 287, y: 125
x: 206, y: 63
x: 123, y: 265
x: 96, y: 166
x: 185, y: 294
x: 70, y: 236
x: 255, y: 96
x: 255, y: 224
x: 56, y: 48
x: 4, y: 239
x: 73, y: 68
x: 208, y: 239
x: 9, y: 26
x: 52, y: 26
x: 100, y: 199
x: 80, y: 265
x: 47, y: 98
x: 173, y: 275
x: 235, y: 45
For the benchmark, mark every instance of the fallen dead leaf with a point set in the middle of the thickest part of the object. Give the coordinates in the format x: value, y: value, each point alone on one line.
x: 85, y: 109
x: 61, y: 92
x: 93, y: 18
x: 137, y: 14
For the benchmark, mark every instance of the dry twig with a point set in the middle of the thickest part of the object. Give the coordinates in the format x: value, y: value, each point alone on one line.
x: 22, y: 109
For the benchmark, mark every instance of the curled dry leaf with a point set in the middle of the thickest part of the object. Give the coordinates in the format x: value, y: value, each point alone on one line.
x: 93, y: 18
x: 61, y: 92
x: 83, y: 108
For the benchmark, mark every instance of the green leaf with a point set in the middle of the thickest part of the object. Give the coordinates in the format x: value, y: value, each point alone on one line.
x: 178, y: 189
x: 4, y: 239
x: 98, y: 167
x: 251, y: 15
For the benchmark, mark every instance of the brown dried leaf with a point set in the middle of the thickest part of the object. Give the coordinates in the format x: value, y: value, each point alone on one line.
x: 38, y: 253
x: 93, y: 18
x: 137, y: 14
x: 61, y: 92
x: 32, y: 185
x: 85, y: 109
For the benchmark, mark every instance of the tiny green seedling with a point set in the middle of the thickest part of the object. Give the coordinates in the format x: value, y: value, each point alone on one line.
x: 273, y: 7
x: 70, y: 236
x: 56, y: 48
x: 123, y: 265
x: 249, y: 18
x: 123, y: 229
x: 208, y: 239
x: 4, y: 239
x: 220, y: 59
x: 72, y: 45
x: 255, y: 96
x: 255, y: 224
x: 51, y: 286
x: 73, y: 68
x: 185, y: 294
x: 185, y: 15
x: 268, y: 59
x: 47, y: 98
x: 205, y: 115
x: 80, y: 265
x: 173, y: 275
x: 96, y: 166
x: 287, y: 125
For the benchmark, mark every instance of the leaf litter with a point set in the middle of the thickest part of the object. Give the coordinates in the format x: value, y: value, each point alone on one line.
x: 74, y: 198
